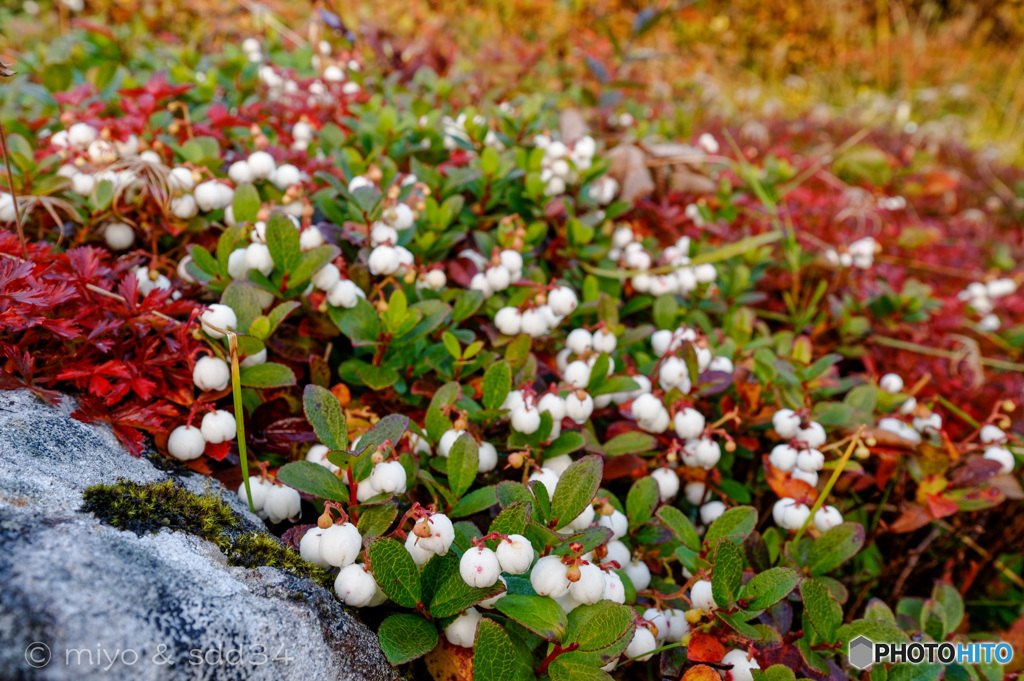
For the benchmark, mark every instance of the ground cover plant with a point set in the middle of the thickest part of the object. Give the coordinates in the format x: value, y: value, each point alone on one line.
x: 548, y: 397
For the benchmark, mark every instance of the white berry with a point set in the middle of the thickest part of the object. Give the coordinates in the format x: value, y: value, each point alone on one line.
x: 479, y: 567
x: 211, y: 373
x: 515, y: 554
x: 186, y: 443
x: 218, y: 426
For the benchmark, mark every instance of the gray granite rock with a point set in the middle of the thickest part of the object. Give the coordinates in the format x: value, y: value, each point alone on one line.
x: 91, y: 601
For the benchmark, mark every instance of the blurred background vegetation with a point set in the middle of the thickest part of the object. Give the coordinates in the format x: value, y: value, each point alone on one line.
x: 953, y: 68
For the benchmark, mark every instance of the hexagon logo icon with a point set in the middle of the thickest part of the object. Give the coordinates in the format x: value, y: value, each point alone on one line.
x: 861, y: 652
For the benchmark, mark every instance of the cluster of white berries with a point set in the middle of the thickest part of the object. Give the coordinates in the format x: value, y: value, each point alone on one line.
x: 923, y: 422
x: 981, y: 297
x: 561, y: 165
x: 188, y: 442
x: 801, y: 459
x: 497, y: 274
x: 455, y: 134
x: 683, y: 279
x: 314, y: 93
x: 433, y: 536
x: 534, y: 321
x: 271, y: 501
x: 859, y: 254
x: 996, y: 439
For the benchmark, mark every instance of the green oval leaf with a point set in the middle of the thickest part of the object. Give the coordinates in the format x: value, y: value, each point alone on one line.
x: 735, y: 523
x: 835, y: 547
x: 463, y: 460
x: 324, y: 413
x: 313, y: 479
x: 394, y: 570
x: 404, y: 637
x: 576, y: 488
x: 540, y: 614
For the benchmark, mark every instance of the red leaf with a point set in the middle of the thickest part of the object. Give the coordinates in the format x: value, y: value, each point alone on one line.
x: 218, y: 451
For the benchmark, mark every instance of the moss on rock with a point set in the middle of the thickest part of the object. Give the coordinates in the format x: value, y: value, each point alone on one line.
x: 144, y: 509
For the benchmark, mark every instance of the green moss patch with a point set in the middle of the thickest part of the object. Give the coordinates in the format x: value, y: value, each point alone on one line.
x: 146, y: 509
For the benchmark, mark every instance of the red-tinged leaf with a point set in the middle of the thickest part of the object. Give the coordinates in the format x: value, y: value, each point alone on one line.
x: 461, y: 271
x: 624, y: 466
x: 218, y: 451
x: 940, y: 507
x: 975, y: 471
x: 704, y: 648
x: 886, y: 469
x: 130, y: 438
x: 914, y: 518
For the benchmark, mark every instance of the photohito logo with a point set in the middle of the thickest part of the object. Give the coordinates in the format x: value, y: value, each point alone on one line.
x: 863, y: 652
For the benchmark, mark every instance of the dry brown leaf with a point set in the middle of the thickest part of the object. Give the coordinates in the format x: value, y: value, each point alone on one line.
x: 629, y: 168
x: 572, y: 125
x: 450, y: 663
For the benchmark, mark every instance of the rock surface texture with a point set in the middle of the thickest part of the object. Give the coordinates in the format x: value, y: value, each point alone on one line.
x: 83, y: 600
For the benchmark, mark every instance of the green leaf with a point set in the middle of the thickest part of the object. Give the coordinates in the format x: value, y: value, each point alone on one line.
x: 246, y: 204
x: 566, y: 443
x: 283, y: 242
x: 394, y: 570
x: 375, y: 377
x: 314, y: 479
x: 726, y: 573
x: 451, y: 594
x: 463, y: 460
x: 103, y: 195
x: 57, y: 77
x: 925, y: 671
x: 466, y: 305
x: 495, y: 657
x: 512, y: 519
x: 476, y: 501
x: 200, y: 149
x: 598, y: 373
x: 835, y: 547
x: 876, y: 630
x: 679, y: 525
x: 436, y: 422
x: 572, y: 667
x: 497, y: 384
x: 951, y: 602
x: 451, y: 343
x: 311, y: 262
x: 590, y: 539
x: 777, y: 672
x: 375, y: 520
x: 595, y: 627
x: 360, y: 323
x: 390, y: 428
x: 268, y: 375
x: 206, y: 262
x: 576, y: 488
x: 737, y: 523
x: 241, y: 297
x: 767, y: 588
x: 404, y: 637
x: 822, y: 609
x: 666, y: 311
x: 540, y: 614
x: 324, y: 413
x: 489, y: 161
x: 633, y: 442
x: 642, y: 500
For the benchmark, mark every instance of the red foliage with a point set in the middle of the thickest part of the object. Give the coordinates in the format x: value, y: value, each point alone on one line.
x: 125, y: 357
